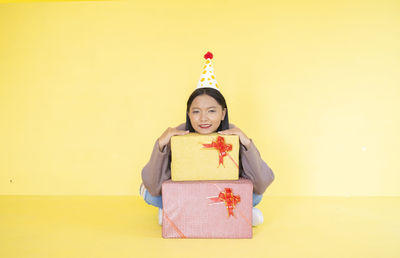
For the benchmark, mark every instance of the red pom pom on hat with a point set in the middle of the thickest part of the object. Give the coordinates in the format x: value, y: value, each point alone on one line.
x: 208, y: 55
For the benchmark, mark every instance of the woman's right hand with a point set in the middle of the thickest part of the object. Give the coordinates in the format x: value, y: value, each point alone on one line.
x: 164, y: 139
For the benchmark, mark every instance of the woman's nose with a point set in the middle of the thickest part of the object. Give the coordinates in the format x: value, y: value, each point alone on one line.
x: 203, y: 116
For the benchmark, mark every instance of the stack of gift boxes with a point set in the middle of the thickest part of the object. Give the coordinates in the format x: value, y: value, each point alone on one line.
x: 205, y: 197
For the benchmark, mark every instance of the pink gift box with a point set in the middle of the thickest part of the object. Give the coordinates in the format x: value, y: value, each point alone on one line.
x: 207, y: 209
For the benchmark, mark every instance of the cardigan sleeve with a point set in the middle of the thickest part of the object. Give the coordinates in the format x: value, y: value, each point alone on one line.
x: 254, y: 168
x: 157, y: 170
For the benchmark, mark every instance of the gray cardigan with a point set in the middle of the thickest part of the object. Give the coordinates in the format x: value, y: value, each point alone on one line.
x: 251, y: 166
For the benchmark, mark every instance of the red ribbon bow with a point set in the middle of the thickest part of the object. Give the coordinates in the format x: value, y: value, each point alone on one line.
x: 221, y: 147
x: 229, y: 198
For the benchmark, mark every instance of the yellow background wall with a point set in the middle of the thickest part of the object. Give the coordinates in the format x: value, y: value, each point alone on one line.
x: 87, y: 87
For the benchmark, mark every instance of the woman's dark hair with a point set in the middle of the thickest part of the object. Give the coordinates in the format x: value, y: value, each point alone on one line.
x: 217, y: 96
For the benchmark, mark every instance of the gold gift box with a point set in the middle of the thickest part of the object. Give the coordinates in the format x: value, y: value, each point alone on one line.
x: 204, y: 157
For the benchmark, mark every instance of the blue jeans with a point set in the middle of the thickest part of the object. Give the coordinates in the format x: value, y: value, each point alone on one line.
x: 157, y: 200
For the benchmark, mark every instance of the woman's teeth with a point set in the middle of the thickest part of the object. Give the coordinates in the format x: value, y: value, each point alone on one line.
x: 205, y: 126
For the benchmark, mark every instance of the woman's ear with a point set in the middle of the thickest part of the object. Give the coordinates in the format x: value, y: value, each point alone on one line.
x: 223, y: 114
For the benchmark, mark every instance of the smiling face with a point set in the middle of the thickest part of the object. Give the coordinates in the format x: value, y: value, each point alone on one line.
x: 206, y: 114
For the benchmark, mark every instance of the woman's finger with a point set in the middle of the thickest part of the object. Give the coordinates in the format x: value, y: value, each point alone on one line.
x: 181, y: 132
x: 229, y: 131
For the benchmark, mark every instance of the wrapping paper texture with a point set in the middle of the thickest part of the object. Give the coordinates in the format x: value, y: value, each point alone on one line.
x: 188, y: 211
x: 191, y: 161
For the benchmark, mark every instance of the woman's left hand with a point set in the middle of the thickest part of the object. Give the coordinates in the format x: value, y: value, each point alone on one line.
x: 242, y: 137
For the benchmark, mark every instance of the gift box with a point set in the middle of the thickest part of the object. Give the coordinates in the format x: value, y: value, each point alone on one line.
x: 204, y: 157
x: 207, y: 209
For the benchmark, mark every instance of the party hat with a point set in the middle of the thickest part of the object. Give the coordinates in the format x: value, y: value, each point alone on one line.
x: 207, y: 78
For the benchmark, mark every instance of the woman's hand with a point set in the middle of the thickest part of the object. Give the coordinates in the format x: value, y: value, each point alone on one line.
x: 242, y: 137
x: 166, y: 136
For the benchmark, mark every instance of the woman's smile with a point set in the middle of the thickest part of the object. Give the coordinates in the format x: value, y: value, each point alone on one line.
x: 204, y: 126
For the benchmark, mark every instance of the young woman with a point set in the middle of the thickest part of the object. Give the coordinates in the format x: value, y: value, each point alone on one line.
x: 206, y: 113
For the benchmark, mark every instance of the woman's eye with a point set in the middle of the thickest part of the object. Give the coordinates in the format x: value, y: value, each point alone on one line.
x: 195, y: 111
x: 212, y: 111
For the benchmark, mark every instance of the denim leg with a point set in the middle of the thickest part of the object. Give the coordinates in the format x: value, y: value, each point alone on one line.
x: 153, y: 200
x: 256, y: 199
